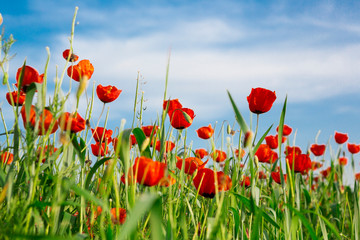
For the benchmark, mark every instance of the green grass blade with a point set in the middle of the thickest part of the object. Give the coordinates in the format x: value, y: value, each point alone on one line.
x: 140, y: 138
x: 304, y: 221
x: 93, y: 170
x: 239, y: 117
x: 142, y: 206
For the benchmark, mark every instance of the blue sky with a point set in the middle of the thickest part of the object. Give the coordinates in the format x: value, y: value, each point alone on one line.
x: 307, y: 50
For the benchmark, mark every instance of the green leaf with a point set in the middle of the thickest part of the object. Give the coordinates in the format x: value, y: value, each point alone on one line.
x: 304, y: 221
x: 253, y: 208
x: 124, y: 151
x: 262, y: 138
x: 328, y: 223
x: 142, y: 206
x: 281, y: 126
x: 255, y: 226
x: 86, y: 194
x: 239, y: 117
x: 140, y: 138
x: 79, y: 148
x: 236, y: 217
x: 93, y: 171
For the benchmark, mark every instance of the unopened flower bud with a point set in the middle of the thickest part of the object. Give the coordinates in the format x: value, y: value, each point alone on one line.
x: 248, y: 138
x: 228, y: 130
x: 82, y: 86
x: 256, y: 161
x: 6, y: 75
x: 187, y: 117
x: 145, y: 144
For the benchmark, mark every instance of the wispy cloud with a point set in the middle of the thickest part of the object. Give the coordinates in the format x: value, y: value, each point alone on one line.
x: 235, y: 46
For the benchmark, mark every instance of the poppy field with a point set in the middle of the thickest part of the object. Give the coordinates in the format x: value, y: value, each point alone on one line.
x: 63, y: 177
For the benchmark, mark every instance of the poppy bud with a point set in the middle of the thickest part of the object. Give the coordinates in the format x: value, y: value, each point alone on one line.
x: 5, y: 77
x: 228, y: 130
x: 82, y: 86
x: 256, y: 161
x: 144, y: 144
x: 248, y: 138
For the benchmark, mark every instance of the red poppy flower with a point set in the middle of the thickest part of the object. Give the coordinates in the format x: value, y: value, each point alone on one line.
x: 272, y: 141
x: 73, y: 57
x: 201, y: 153
x: 173, y: 104
x: 45, y: 120
x: 149, y: 130
x: 357, y: 177
x: 73, y: 123
x: 100, y: 134
x: 108, y: 93
x: 148, y: 172
x: 325, y: 173
x: 80, y: 70
x: 167, y: 181
x: 265, y: 154
x: 242, y: 153
x: 317, y: 150
x: 294, y: 150
x: 219, y: 156
x: 14, y: 96
x: 262, y: 175
x: 353, y: 148
x: 181, y: 118
x: 1, y: 19
x: 245, y: 182
x: 30, y: 75
x: 98, y: 150
x: 341, y: 138
x: 276, y: 177
x: 133, y: 139
x: 118, y: 216
x: 343, y: 161
x: 204, y: 182
x: 261, y: 100
x: 7, y: 158
x: 299, y: 162
x: 169, y: 146
x: 286, y: 130
x: 46, y: 152
x: 191, y: 164
x: 316, y: 165
x: 205, y: 132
